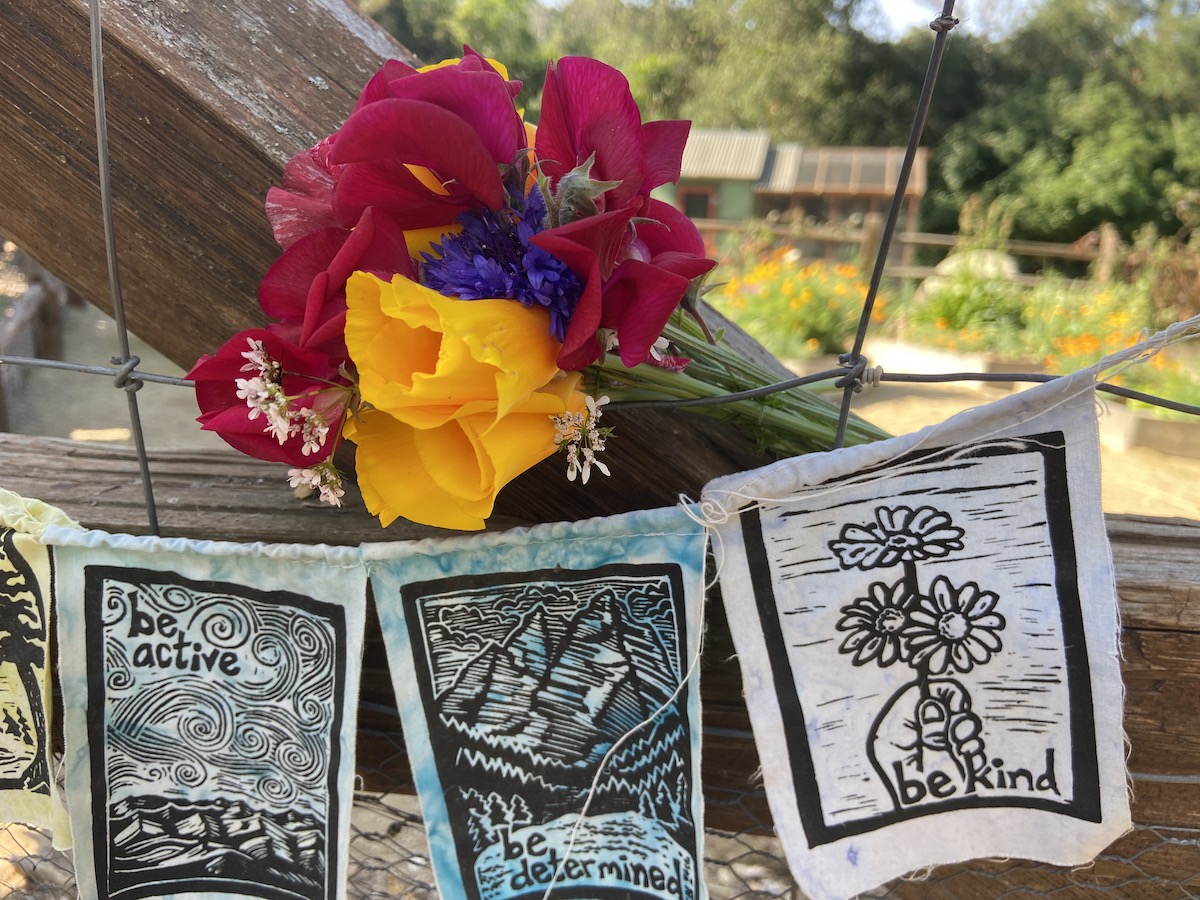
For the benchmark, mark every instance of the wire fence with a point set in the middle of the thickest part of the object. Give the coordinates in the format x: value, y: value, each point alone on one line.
x: 388, y: 852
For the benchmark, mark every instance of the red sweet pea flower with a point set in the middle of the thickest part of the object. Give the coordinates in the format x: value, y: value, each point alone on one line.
x: 429, y: 145
x: 588, y: 113
x: 271, y: 399
x: 587, y: 108
x: 305, y: 201
x: 305, y: 289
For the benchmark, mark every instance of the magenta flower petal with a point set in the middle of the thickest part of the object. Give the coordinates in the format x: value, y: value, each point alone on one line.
x: 422, y: 134
x: 379, y: 87
x: 478, y: 96
x: 284, y: 290
x: 303, y: 202
x: 390, y: 186
x: 587, y: 108
x: 580, y: 346
x: 665, y: 140
x: 375, y: 245
x: 638, y: 301
x: 671, y: 231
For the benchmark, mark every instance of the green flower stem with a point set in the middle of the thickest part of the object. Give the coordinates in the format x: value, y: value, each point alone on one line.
x: 788, y: 423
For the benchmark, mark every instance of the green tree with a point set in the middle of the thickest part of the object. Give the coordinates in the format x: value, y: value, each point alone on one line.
x: 503, y: 30
x: 1089, y: 116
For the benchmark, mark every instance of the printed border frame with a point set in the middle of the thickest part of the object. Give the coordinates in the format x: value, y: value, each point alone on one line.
x: 1086, y: 802
x: 94, y: 578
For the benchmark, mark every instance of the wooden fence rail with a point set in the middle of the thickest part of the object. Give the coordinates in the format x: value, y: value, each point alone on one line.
x: 864, y: 244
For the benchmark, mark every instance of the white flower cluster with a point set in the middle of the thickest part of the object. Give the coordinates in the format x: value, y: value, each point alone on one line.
x: 582, y: 438
x: 264, y: 395
x: 323, y: 477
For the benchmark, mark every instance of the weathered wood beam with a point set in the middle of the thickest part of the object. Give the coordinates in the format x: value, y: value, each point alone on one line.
x: 206, y: 102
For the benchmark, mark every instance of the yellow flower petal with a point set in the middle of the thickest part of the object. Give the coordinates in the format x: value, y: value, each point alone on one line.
x: 498, y: 66
x: 514, y: 340
x: 460, y: 395
x: 395, y: 483
x: 421, y: 240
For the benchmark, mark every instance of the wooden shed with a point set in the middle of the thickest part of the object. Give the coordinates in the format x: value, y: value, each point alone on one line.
x: 206, y: 102
x: 732, y: 175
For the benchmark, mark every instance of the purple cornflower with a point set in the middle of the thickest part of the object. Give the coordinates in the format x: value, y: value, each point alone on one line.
x: 492, y: 257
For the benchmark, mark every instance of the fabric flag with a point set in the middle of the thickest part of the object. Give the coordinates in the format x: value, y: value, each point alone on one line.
x: 549, y: 693
x: 927, y: 629
x: 28, y: 793
x: 209, y: 691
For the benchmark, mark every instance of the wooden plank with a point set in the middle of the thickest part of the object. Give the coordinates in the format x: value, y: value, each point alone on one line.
x: 206, y: 102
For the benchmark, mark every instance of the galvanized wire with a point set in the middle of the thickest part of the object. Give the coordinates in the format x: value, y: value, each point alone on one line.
x: 125, y: 362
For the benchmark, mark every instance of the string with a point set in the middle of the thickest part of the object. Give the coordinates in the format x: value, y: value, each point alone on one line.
x: 617, y: 744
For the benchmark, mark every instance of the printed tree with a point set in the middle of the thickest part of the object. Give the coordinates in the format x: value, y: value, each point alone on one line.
x: 23, y: 645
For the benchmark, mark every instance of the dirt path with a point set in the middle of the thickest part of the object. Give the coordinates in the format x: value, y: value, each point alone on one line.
x: 1136, y: 481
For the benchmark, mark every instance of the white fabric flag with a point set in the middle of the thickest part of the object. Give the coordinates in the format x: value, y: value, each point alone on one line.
x: 209, y: 693
x: 928, y: 633
x: 549, y: 692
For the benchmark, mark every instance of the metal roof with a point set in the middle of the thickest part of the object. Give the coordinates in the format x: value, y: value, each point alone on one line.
x: 724, y: 154
x: 860, y: 171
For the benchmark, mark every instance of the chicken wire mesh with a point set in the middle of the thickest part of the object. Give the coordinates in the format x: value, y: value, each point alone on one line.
x: 388, y: 857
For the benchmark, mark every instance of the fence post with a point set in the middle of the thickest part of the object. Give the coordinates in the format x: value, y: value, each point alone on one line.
x: 872, y: 238
x: 1106, y: 253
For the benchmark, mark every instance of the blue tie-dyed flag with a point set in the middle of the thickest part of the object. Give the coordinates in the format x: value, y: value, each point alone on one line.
x: 548, y: 688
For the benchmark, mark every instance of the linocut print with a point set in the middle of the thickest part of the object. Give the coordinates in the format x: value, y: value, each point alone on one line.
x: 28, y: 793
x: 550, y: 703
x: 218, y: 737
x: 26, y: 784
x: 938, y: 633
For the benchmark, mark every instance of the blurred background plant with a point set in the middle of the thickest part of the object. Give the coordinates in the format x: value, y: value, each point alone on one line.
x: 796, y: 309
x: 979, y: 302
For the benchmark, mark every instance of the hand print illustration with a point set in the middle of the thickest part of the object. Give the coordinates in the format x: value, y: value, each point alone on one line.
x: 927, y: 742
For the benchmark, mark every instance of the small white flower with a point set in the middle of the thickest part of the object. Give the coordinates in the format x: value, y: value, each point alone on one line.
x: 253, y: 391
x: 581, y: 438
x: 279, y: 419
x: 660, y: 349
x: 313, y: 429
x: 323, y: 477
x: 258, y: 359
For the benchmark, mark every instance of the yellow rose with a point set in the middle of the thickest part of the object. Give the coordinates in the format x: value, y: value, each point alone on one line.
x: 460, y: 396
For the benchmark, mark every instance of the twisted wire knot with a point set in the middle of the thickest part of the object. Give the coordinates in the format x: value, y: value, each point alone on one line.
x: 860, y: 374
x: 125, y: 378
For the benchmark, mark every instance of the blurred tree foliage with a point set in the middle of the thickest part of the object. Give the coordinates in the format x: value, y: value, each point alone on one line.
x: 1086, y: 111
x: 1092, y: 114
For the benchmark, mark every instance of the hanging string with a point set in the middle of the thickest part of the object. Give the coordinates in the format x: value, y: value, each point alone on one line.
x: 126, y: 364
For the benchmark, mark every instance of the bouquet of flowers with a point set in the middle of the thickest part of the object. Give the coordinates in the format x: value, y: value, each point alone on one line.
x: 460, y: 293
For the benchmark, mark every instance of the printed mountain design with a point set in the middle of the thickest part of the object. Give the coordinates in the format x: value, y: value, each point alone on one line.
x: 216, y: 839
x: 560, y: 689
